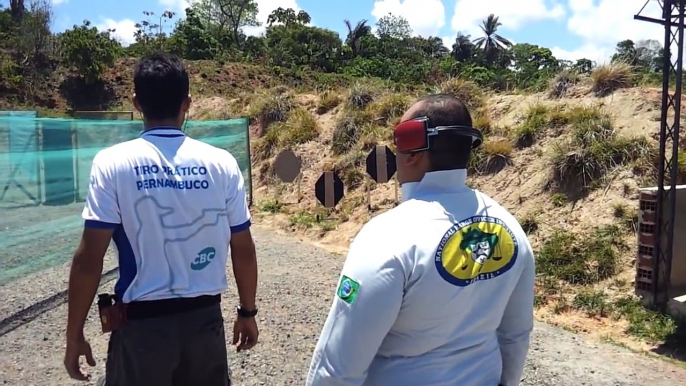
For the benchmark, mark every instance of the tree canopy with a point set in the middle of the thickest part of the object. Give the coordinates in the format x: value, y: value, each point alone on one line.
x: 224, y: 30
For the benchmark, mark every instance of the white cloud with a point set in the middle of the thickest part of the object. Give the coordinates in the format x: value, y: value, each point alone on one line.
x: 426, y: 17
x: 598, y: 54
x: 602, y: 24
x: 124, y: 29
x: 513, y: 14
x: 58, y: 2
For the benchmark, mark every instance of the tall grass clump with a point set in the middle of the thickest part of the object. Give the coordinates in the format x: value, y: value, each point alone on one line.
x: 299, y: 128
x: 361, y: 95
x: 347, y: 131
x: 389, y: 106
x: 608, y: 78
x: 467, y: 91
x: 593, y: 150
x: 493, y: 156
x: 562, y: 83
x: 271, y: 106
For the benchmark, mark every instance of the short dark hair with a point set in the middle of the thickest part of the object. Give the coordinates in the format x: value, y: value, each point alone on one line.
x: 161, y: 85
x: 448, y: 150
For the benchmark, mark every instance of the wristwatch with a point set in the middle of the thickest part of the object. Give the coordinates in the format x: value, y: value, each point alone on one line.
x: 244, y: 313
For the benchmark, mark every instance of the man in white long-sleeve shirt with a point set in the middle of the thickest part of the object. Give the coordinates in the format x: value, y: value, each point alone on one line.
x: 438, y: 291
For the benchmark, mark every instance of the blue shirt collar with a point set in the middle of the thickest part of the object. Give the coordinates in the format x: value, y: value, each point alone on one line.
x: 164, y: 132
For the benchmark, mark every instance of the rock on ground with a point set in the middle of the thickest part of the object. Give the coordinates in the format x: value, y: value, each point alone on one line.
x: 297, y: 281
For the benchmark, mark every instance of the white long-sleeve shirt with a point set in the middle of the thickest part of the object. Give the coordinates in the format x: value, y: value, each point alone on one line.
x: 437, y: 291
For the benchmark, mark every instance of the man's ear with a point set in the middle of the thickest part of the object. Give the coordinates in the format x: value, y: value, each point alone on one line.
x: 136, y: 105
x: 186, y: 105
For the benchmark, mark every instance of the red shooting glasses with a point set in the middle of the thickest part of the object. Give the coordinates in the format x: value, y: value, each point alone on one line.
x: 413, y: 136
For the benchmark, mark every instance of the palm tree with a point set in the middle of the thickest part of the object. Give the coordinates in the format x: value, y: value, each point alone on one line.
x: 463, y: 48
x: 355, y: 35
x: 491, y: 43
x: 435, y: 47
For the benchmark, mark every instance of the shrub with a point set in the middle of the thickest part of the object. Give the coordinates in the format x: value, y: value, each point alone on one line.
x: 562, y: 83
x: 347, y: 131
x: 270, y: 107
x: 265, y: 146
x: 351, y: 166
x: 389, y: 106
x: 593, y: 150
x: 300, y: 128
x: 466, y: 91
x: 492, y: 157
x: 594, y: 303
x: 580, y: 259
x: 608, y: 78
x: 327, y: 101
x: 361, y: 94
x: 372, y: 135
x: 534, y: 122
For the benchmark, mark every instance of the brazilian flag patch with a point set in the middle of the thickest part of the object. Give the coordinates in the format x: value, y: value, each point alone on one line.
x: 348, y: 289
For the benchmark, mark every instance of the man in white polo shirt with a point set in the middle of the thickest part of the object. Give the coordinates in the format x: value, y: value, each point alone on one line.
x: 438, y: 291
x: 173, y: 206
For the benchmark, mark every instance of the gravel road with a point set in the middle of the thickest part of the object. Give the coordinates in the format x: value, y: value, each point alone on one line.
x: 297, y: 281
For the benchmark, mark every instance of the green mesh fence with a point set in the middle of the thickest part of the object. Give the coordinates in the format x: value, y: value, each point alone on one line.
x: 44, y: 172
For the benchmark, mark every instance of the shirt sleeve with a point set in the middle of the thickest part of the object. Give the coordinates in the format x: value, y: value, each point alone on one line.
x: 102, y: 208
x: 365, y: 307
x: 237, y: 203
x: 517, y: 323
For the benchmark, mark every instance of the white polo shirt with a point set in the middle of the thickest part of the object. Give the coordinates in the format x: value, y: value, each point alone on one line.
x: 438, y: 291
x: 173, y: 203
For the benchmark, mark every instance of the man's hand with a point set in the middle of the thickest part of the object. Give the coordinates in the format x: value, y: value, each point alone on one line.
x: 75, y: 349
x: 245, y: 333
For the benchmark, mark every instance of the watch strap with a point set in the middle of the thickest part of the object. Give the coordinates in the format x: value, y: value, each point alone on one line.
x: 245, y: 313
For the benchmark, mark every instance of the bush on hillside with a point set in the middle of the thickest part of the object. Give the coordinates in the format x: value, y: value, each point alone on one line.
x: 561, y: 83
x: 301, y: 127
x: 593, y: 150
x: 389, y: 106
x: 271, y: 106
x: 347, y: 131
x: 351, y: 166
x: 493, y: 156
x: 611, y: 77
x: 327, y: 101
x: 361, y: 94
x: 467, y: 91
x: 372, y: 135
x: 582, y: 259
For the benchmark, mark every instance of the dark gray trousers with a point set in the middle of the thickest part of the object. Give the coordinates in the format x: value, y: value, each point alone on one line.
x: 186, y: 349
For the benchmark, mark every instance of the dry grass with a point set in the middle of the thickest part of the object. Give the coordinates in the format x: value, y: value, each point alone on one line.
x: 348, y: 130
x: 493, y: 156
x: 593, y: 150
x: 271, y: 106
x: 361, y: 95
x: 388, y: 107
x: 610, y: 77
x: 466, y: 91
x: 351, y: 168
x: 560, y: 85
x: 301, y: 127
x: 327, y: 101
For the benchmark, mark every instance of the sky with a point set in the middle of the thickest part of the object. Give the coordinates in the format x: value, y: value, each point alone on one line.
x: 572, y: 29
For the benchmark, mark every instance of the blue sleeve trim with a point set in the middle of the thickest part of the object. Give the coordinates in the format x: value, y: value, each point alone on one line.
x: 100, y: 224
x: 240, y: 228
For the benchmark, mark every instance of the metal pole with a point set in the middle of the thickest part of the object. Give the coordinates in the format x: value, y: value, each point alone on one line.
x: 674, y: 161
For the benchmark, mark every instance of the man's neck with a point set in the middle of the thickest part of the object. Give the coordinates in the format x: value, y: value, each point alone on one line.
x: 170, y: 123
